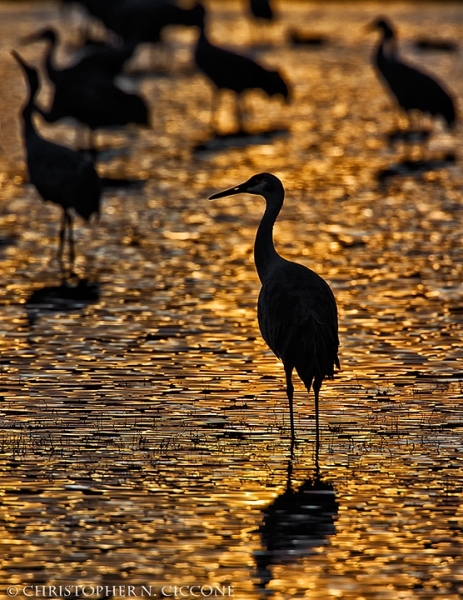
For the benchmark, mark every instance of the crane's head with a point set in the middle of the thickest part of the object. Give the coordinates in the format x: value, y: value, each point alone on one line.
x: 48, y: 34
x: 262, y: 184
x: 30, y: 72
x: 197, y: 15
x: 384, y: 25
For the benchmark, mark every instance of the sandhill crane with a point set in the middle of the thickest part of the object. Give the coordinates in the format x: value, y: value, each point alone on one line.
x: 60, y: 174
x: 412, y: 88
x: 296, y: 309
x: 231, y: 71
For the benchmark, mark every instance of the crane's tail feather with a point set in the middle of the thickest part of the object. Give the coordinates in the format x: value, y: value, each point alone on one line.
x: 317, y: 354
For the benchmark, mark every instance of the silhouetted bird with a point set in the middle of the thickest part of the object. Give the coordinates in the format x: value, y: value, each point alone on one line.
x: 92, y: 100
x: 60, y: 174
x: 86, y: 92
x: 261, y: 9
x: 144, y: 20
x: 231, y: 71
x: 103, y: 62
x: 296, y: 309
x: 413, y: 89
x: 102, y: 10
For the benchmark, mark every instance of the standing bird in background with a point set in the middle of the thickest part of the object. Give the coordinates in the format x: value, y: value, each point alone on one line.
x: 231, y: 71
x: 261, y: 9
x: 296, y: 310
x: 413, y: 89
x: 101, y: 63
x: 60, y: 174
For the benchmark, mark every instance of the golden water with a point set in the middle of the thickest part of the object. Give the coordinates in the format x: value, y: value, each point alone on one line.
x: 144, y: 427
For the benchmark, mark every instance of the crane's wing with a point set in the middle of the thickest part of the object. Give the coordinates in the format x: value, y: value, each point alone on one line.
x: 415, y: 89
x: 228, y: 69
x: 63, y: 176
x: 298, y: 319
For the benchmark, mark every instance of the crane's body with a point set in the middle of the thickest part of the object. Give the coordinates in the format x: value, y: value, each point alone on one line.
x: 261, y: 9
x: 60, y: 175
x: 231, y: 71
x: 296, y: 309
x: 412, y: 88
x: 98, y: 64
x: 86, y: 91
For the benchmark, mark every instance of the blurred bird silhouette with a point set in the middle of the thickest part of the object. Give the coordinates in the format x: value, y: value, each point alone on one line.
x: 235, y: 72
x: 97, y: 105
x: 413, y: 89
x: 104, y: 62
x: 144, y: 20
x: 261, y: 9
x: 86, y: 91
x: 296, y: 308
x: 61, y: 175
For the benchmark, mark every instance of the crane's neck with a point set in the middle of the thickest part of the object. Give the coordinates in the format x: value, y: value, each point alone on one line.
x: 28, y: 123
x: 387, y: 50
x: 52, y: 71
x: 264, y: 251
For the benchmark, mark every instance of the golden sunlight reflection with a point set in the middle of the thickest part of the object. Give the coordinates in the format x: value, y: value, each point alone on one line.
x: 144, y: 422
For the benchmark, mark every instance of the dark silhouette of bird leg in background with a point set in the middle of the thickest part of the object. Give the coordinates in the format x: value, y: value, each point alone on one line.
x: 296, y: 309
x: 66, y: 224
x: 240, y: 112
x: 290, y: 394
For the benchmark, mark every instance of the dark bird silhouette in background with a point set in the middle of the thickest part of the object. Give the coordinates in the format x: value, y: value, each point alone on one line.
x: 230, y: 71
x: 261, y: 9
x: 91, y: 98
x: 296, y: 308
x: 104, y: 62
x: 261, y: 16
x: 86, y: 91
x: 413, y: 89
x: 97, y: 105
x: 61, y: 175
x: 144, y: 20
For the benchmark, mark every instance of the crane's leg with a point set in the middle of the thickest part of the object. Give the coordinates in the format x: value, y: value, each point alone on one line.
x: 316, y: 389
x: 72, y: 254
x: 239, y: 112
x: 62, y: 234
x: 215, y: 102
x: 290, y: 394
x: 91, y: 145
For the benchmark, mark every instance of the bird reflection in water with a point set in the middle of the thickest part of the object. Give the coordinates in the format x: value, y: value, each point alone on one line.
x: 69, y: 295
x: 296, y: 524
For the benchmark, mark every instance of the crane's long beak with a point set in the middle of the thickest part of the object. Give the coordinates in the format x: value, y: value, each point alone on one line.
x: 230, y: 192
x: 18, y: 58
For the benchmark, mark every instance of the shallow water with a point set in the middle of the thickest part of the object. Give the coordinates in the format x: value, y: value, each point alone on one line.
x: 145, y: 429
